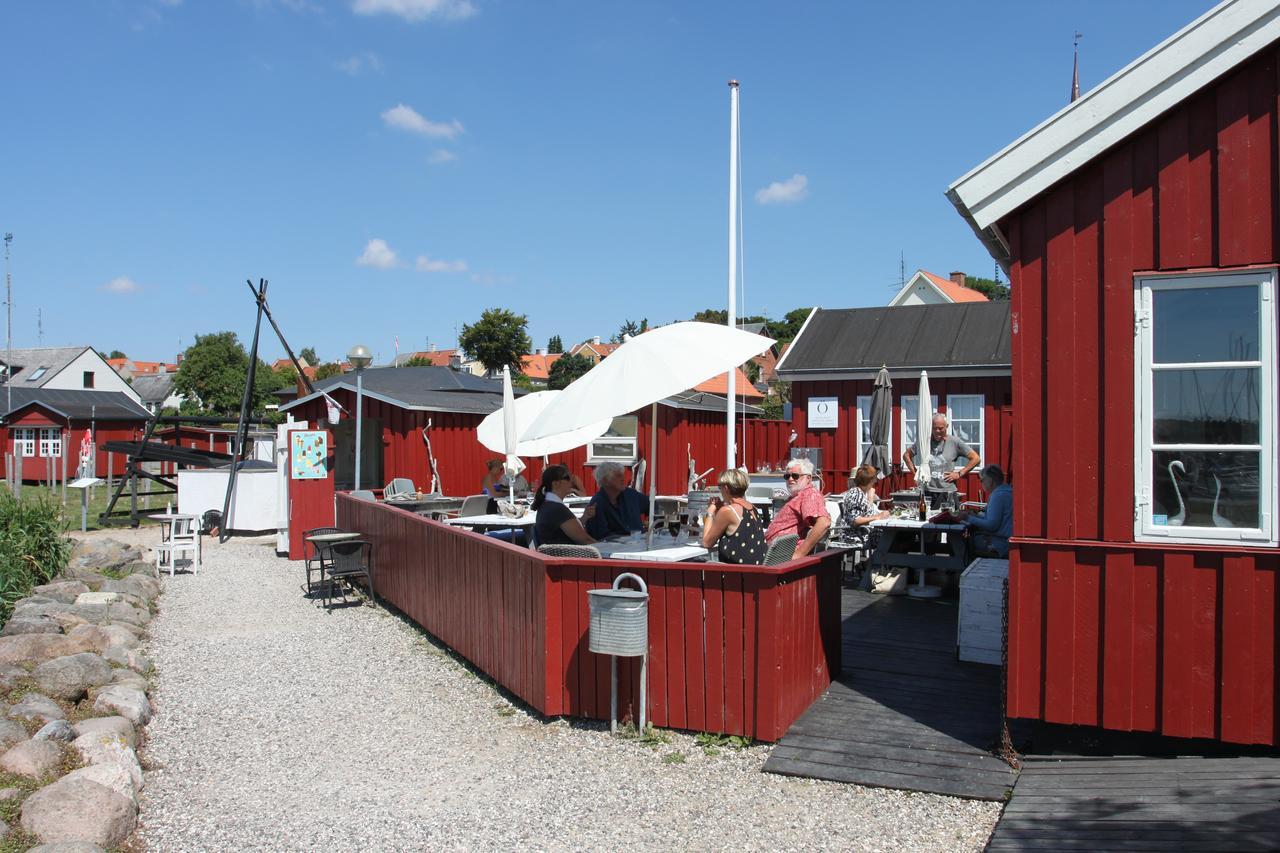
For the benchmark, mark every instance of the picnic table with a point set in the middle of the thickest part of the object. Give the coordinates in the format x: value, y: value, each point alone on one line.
x: 922, y: 532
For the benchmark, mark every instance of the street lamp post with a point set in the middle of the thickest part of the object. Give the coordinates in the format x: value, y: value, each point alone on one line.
x: 359, y: 358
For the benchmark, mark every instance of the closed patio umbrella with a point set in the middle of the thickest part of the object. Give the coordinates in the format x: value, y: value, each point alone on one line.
x: 513, y: 465
x: 924, y: 427
x: 881, y: 424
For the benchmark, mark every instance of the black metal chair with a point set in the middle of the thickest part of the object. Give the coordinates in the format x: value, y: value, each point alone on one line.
x: 315, y: 558
x: 582, y: 551
x: 349, y: 560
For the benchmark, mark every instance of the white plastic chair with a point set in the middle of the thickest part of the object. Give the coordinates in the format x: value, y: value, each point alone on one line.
x: 474, y: 505
x: 182, y: 542
x: 397, y: 487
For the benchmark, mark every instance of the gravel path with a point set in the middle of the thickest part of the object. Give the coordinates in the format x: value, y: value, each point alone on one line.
x: 282, y: 727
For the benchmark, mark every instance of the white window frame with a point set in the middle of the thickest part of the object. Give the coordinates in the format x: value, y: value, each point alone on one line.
x: 981, y: 444
x: 51, y: 442
x: 595, y: 458
x: 1144, y: 448
x: 902, y: 420
x: 24, y: 441
x: 861, y: 418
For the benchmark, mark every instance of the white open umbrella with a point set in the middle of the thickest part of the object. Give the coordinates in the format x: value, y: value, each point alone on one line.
x: 510, y: 434
x: 644, y: 370
x: 924, y: 430
x: 492, y: 430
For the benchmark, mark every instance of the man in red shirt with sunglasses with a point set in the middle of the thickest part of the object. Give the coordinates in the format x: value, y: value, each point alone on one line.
x: 804, y: 514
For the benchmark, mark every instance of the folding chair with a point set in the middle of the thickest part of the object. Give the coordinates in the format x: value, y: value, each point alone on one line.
x: 347, y: 561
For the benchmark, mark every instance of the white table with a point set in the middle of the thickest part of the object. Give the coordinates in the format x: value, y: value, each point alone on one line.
x: 667, y: 549
x: 891, y: 529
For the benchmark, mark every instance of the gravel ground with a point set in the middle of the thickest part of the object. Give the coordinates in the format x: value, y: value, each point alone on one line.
x: 280, y: 726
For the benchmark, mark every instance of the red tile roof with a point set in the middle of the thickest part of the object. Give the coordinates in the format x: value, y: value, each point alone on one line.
x: 953, y: 291
x: 720, y: 385
x: 538, y: 366
x: 438, y: 358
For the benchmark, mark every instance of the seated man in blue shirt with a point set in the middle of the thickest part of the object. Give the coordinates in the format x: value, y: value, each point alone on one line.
x: 616, y: 508
x: 993, y: 526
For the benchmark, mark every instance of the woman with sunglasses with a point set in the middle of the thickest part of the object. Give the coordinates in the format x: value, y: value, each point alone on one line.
x: 555, y: 524
x: 805, y: 512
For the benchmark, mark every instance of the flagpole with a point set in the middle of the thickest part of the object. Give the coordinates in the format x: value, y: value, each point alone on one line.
x: 731, y: 319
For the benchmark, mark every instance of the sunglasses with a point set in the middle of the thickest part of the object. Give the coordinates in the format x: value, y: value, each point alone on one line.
x: 792, y: 476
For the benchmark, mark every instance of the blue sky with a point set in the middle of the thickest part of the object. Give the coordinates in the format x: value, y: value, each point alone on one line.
x: 394, y: 167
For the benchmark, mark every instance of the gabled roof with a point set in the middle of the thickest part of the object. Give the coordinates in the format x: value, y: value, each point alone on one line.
x: 422, y: 388
x: 945, y: 287
x: 1170, y: 72
x: 154, y: 387
x: 80, y: 405
x: 601, y: 349
x: 743, y: 388
x: 966, y: 339
x: 538, y: 366
x: 437, y: 358
x: 708, y: 403
x: 27, y: 362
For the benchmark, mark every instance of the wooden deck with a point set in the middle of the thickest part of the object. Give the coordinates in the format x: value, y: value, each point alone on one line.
x: 904, y: 713
x: 1143, y: 804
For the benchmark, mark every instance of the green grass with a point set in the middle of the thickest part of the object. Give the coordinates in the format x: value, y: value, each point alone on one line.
x: 712, y: 743
x: 33, y: 549
x: 99, y: 496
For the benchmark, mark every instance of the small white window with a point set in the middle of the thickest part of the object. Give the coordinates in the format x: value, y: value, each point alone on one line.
x: 965, y: 412
x: 1205, y: 393
x: 51, y: 442
x: 910, y: 408
x: 864, y: 428
x: 24, y: 441
x: 37, y: 374
x: 618, y: 444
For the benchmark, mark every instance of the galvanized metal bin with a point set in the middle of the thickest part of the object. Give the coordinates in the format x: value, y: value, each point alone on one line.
x: 619, y: 622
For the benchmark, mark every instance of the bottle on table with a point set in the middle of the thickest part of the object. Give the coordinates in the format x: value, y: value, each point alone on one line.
x: 924, y: 508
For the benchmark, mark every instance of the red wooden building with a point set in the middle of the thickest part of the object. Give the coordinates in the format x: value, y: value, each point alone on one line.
x: 1139, y: 227
x: 399, y: 402
x: 45, y: 423
x: 834, y: 361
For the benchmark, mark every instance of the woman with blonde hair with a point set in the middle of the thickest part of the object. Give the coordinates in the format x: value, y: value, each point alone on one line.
x: 732, y: 523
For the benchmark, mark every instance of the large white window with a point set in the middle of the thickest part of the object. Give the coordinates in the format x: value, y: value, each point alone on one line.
x: 864, y: 428
x: 51, y: 442
x: 965, y: 412
x: 1205, y: 391
x: 910, y: 410
x: 618, y: 444
x: 24, y: 441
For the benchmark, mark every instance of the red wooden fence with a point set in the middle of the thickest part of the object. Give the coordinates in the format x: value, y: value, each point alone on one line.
x: 743, y: 650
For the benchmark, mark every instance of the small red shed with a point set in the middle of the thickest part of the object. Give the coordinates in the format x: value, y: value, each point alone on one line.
x: 46, y: 422
x: 1139, y: 227
x: 838, y: 353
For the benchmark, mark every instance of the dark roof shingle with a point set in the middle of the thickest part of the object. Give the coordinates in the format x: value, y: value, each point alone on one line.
x: 80, y: 405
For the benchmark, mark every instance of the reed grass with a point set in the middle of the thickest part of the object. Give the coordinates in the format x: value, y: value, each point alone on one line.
x: 33, y: 547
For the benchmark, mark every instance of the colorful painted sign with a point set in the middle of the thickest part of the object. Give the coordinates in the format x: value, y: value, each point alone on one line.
x: 309, y: 450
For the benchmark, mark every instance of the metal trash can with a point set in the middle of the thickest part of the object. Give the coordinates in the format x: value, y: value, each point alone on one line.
x: 620, y: 628
x: 619, y: 622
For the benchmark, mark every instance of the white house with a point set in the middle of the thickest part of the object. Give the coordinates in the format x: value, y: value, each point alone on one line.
x: 64, y: 368
x: 925, y: 288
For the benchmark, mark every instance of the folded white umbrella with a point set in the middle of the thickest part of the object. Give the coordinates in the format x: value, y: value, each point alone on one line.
x: 645, y: 369
x: 924, y: 431
x: 491, y: 432
x: 510, y: 429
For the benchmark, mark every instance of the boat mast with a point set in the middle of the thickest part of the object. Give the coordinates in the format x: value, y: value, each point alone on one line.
x: 731, y: 319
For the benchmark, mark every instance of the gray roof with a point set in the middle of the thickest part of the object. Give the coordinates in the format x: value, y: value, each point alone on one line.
x: 80, y: 405
x: 437, y: 389
x: 701, y: 401
x: 153, y: 387
x: 952, y: 339
x: 27, y: 361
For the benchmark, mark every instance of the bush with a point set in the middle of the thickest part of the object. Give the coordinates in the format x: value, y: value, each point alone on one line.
x: 33, y: 549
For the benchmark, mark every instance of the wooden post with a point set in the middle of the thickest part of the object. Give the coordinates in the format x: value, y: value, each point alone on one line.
x: 66, y: 436
x: 111, y: 464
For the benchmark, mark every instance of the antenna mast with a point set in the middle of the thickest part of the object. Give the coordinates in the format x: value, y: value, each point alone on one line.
x: 40, y: 326
x: 8, y: 304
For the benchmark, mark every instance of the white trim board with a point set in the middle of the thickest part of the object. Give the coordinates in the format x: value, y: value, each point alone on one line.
x: 1164, y: 76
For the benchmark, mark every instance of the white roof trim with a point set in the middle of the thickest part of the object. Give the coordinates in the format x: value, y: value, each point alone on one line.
x: 910, y: 285
x: 777, y: 367
x: 1170, y: 72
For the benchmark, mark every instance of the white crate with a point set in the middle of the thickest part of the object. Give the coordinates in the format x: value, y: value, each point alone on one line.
x: 981, y: 606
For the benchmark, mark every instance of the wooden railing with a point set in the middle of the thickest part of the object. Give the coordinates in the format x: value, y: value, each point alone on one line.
x: 732, y: 649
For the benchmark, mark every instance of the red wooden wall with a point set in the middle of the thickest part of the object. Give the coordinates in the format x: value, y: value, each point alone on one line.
x: 1178, y: 640
x: 840, y: 446
x: 34, y: 467
x: 461, y: 458
x: 733, y: 649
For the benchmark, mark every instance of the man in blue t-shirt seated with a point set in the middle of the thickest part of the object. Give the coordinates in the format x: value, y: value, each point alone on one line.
x: 616, y: 508
x: 993, y: 526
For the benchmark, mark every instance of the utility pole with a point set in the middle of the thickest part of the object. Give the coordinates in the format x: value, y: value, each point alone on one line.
x: 8, y: 304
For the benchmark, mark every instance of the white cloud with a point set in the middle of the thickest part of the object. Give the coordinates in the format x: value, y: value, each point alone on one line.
x: 379, y: 255
x: 122, y: 285
x: 790, y: 191
x: 441, y: 155
x: 403, y: 117
x: 417, y: 10
x: 359, y: 63
x: 425, y: 264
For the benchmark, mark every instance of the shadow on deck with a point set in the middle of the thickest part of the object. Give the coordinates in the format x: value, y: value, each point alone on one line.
x: 905, y: 713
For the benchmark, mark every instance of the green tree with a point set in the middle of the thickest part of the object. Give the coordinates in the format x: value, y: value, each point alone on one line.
x: 418, y: 361
x: 787, y: 329
x: 988, y: 287
x: 308, y: 355
x: 499, y: 338
x: 752, y: 369
x: 555, y: 345
x: 566, y: 369
x: 213, y: 374
x: 328, y: 369
x: 115, y: 353
x: 632, y: 328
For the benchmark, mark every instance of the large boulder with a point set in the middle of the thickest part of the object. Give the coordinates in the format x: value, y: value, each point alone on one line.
x: 140, y: 587
x: 11, y: 733
x: 68, y: 847
x: 31, y: 625
x: 70, y: 677
x: 35, y: 648
x: 129, y: 702
x: 99, y: 638
x: 64, y: 591
x: 10, y: 676
x: 129, y: 678
x: 33, y: 758
x: 109, y: 748
x: 34, y: 706
x: 104, y: 553
x: 77, y: 809
x: 107, y: 725
x: 59, y: 730
x: 113, y: 776
x: 123, y: 611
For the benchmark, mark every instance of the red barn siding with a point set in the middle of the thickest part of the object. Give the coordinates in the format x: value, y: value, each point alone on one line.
x: 34, y: 468
x: 1179, y: 640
